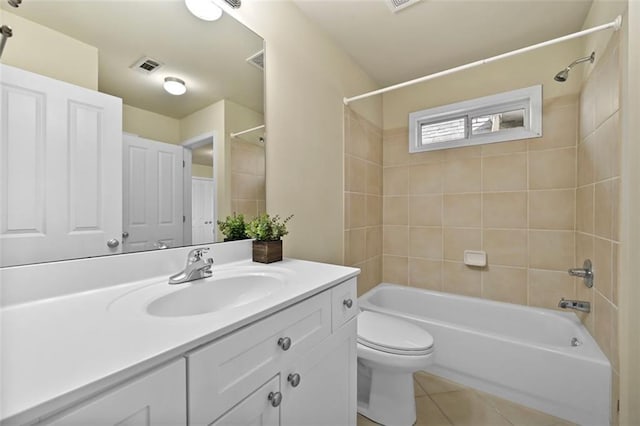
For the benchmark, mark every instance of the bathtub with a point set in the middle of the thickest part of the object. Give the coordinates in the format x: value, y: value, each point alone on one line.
x: 515, y: 352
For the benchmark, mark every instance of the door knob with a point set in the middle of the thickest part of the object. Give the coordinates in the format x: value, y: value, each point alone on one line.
x: 113, y: 243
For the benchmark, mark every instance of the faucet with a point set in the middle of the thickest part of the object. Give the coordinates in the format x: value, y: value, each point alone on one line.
x: 578, y: 305
x: 196, y: 268
x: 586, y: 273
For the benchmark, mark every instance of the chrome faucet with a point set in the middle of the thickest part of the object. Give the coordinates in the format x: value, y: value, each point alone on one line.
x: 196, y: 268
x: 578, y: 305
x: 586, y: 273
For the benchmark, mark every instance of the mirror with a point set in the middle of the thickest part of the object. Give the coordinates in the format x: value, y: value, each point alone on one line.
x: 185, y: 161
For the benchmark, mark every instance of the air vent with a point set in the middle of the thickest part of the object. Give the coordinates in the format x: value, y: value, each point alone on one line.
x: 398, y: 5
x: 234, y: 3
x: 146, y: 65
x: 257, y: 60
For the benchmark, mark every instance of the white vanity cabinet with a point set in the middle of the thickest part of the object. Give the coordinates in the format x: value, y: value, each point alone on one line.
x: 155, y: 398
x: 290, y: 368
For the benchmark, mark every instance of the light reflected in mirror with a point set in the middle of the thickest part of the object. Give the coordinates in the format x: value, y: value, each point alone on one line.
x: 181, y: 169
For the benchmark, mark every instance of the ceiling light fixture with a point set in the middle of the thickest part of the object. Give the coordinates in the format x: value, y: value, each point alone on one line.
x: 206, y: 10
x: 175, y: 86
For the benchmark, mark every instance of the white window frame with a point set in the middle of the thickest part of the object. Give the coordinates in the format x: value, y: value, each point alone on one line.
x: 528, y: 99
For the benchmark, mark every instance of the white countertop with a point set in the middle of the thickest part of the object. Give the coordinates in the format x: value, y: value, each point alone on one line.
x: 57, y: 350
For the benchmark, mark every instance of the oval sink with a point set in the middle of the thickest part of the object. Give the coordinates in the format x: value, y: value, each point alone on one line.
x: 215, y: 294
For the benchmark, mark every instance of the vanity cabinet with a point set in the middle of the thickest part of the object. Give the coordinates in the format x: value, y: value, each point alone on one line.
x: 152, y: 399
x: 295, y: 349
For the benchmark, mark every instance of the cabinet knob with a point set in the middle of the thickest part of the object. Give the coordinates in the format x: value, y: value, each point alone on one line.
x: 275, y: 398
x: 348, y: 303
x: 294, y: 379
x: 284, y: 343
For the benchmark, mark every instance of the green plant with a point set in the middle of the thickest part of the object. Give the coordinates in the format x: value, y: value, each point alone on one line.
x: 234, y: 227
x: 266, y: 228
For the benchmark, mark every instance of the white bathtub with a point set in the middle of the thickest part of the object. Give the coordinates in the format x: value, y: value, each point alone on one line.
x: 516, y: 352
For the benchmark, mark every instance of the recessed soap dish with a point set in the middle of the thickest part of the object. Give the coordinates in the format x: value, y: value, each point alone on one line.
x: 475, y: 258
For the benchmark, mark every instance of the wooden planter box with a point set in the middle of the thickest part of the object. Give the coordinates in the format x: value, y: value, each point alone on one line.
x: 267, y: 251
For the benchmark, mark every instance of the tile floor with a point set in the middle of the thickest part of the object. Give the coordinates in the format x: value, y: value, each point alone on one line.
x: 443, y: 403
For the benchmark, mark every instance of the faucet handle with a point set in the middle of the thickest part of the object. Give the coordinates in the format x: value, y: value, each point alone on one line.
x: 197, y: 253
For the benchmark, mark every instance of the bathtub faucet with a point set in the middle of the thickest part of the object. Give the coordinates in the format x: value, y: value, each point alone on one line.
x: 578, y: 305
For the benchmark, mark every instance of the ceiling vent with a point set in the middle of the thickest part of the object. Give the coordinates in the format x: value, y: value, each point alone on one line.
x: 257, y: 60
x: 398, y: 5
x: 146, y: 65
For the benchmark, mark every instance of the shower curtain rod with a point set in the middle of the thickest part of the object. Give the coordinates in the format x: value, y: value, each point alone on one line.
x: 233, y: 135
x: 613, y: 24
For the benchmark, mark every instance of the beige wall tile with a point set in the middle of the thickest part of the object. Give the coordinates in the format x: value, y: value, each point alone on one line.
x: 505, y: 284
x: 604, y: 313
x: 357, y: 246
x: 551, y: 250
x: 426, y: 157
x: 508, y: 147
x: 374, y: 179
x: 425, y: 274
x: 395, y: 240
x: 462, y: 175
x: 243, y: 186
x: 395, y: 210
x: 615, y: 209
x: 461, y: 279
x: 374, y: 210
x: 588, y: 107
x: 249, y: 208
x: 615, y: 258
x: 357, y: 175
x: 607, y: 141
x: 425, y: 243
x: 358, y: 210
x: 505, y: 172
x: 462, y: 210
x: 395, y: 270
x: 453, y: 154
x: 584, y: 247
x: 425, y: 210
x: 607, y: 87
x: 553, y: 169
x: 584, y: 209
x: 395, y: 181
x: 457, y: 240
x: 504, y: 210
x: 559, y: 128
x: 374, y: 242
x: 602, y: 267
x: 552, y: 209
x: 546, y: 288
x: 425, y: 179
x: 395, y: 147
x: 586, y: 160
x: 603, y: 209
x: 505, y: 247
x: 347, y: 210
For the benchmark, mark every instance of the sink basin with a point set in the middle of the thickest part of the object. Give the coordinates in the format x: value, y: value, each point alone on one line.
x: 220, y: 292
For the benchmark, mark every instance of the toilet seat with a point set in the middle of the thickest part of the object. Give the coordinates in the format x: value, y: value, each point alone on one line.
x: 392, y: 335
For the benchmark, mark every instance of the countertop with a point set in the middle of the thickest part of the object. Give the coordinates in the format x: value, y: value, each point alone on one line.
x: 58, y: 350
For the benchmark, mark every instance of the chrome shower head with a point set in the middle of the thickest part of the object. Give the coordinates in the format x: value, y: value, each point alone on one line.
x: 563, y: 75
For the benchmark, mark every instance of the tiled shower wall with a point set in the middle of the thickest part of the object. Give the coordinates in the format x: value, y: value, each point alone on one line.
x: 598, y: 201
x: 363, y: 199
x: 514, y: 200
x: 247, y: 178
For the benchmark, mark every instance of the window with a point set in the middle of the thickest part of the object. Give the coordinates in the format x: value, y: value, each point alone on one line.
x: 503, y: 117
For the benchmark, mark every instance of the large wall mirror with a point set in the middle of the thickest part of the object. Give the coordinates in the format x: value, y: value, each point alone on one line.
x: 97, y: 158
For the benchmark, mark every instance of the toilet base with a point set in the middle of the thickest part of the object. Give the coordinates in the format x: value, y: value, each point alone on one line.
x: 390, y: 398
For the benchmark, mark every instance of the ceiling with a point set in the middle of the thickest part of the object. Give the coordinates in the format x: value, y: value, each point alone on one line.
x: 209, y: 56
x: 434, y: 35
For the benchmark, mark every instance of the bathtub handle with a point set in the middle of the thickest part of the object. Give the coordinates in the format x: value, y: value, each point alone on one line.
x: 348, y: 303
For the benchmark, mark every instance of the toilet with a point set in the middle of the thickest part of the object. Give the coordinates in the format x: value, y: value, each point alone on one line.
x: 390, y: 350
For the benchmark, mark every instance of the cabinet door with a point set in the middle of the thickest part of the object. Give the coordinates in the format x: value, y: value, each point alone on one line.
x: 326, y: 391
x: 256, y: 409
x: 61, y: 168
x: 158, y: 398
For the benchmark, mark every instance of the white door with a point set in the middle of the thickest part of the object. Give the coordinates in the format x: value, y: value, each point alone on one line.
x: 60, y: 162
x: 152, y: 194
x: 202, y: 210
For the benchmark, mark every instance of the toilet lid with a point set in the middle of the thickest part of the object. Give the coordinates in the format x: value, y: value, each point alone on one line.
x: 390, y: 334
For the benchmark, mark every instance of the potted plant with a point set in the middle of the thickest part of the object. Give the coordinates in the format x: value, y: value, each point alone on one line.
x: 233, y: 227
x: 267, y: 233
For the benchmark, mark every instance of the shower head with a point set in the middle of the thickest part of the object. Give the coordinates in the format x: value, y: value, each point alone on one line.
x: 563, y: 75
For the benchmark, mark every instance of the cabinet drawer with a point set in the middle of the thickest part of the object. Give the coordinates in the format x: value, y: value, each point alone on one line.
x: 344, y: 303
x: 223, y: 372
